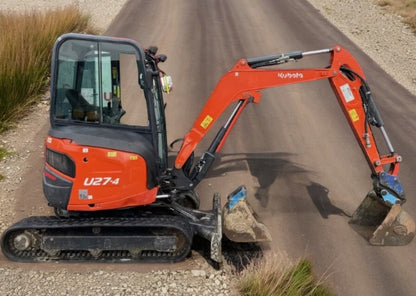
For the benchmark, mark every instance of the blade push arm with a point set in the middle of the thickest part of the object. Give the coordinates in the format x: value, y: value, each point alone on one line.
x: 243, y: 83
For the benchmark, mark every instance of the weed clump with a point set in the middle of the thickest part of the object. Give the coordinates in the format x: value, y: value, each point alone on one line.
x: 3, y: 154
x: 276, y: 276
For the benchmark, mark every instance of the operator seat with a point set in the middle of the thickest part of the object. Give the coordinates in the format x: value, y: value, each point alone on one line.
x: 80, y: 106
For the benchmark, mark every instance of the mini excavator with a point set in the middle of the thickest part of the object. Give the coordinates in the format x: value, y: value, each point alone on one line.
x: 106, y: 168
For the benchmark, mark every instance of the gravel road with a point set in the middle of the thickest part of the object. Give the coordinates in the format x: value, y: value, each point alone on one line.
x: 383, y: 37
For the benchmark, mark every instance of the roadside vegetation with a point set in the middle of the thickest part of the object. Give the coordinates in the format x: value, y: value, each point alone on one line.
x: 404, y: 8
x: 26, y: 42
x: 276, y: 275
x: 3, y: 154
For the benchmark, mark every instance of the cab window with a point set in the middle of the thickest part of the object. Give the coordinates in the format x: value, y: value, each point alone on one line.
x: 97, y: 83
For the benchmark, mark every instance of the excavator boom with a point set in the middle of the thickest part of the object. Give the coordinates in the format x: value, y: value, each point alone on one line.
x: 243, y: 83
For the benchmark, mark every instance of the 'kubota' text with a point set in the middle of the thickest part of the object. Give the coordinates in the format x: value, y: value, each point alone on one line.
x: 296, y: 75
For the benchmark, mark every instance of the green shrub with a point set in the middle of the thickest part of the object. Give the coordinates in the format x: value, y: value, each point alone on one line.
x: 25, y: 51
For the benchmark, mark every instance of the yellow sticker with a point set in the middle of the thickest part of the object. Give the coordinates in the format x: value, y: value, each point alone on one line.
x: 134, y: 157
x: 112, y: 154
x: 354, y: 115
x: 206, y: 122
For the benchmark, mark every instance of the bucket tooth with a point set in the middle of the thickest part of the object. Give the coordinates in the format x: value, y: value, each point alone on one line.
x: 240, y: 223
x: 381, y: 224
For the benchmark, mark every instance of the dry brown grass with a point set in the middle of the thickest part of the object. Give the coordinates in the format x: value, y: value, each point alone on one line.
x: 26, y: 42
x: 276, y: 275
x: 405, y: 8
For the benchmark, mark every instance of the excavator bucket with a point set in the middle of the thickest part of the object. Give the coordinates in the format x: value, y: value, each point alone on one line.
x: 383, y: 225
x: 240, y: 223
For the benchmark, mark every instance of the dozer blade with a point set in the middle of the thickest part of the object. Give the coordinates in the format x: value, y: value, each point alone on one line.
x: 240, y: 223
x: 383, y: 225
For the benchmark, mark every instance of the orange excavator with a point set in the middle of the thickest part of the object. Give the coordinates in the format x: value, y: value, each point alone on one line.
x: 107, y: 176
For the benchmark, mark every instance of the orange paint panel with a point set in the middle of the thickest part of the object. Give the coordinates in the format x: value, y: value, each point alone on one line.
x: 105, y: 179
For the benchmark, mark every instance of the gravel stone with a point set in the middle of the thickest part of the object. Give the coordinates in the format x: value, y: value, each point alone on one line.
x: 382, y: 35
x: 198, y: 273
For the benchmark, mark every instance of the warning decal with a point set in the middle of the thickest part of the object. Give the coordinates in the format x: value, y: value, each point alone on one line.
x: 346, y: 91
x: 354, y: 115
x: 206, y: 122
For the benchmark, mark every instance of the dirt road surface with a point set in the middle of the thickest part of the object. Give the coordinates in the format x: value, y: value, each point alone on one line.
x: 304, y: 170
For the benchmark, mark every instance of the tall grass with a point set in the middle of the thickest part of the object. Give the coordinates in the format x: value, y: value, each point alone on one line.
x: 26, y: 42
x: 405, y: 8
x: 276, y: 275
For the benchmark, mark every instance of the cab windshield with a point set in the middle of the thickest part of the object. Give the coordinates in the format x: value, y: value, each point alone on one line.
x: 97, y: 83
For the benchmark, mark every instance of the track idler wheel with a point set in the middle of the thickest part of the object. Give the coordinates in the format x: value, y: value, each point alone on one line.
x: 383, y: 225
x: 240, y: 223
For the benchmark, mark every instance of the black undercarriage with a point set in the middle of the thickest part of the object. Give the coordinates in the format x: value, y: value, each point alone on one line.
x: 140, y: 236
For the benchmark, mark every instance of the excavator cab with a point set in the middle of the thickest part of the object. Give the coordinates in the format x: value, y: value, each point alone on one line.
x: 107, y: 126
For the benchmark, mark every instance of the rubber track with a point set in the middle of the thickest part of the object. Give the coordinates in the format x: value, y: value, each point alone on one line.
x: 44, y: 225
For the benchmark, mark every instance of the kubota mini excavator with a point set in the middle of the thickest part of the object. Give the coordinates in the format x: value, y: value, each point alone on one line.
x: 106, y: 172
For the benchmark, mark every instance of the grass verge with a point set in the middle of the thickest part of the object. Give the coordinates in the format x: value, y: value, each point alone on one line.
x: 3, y: 153
x: 26, y: 45
x: 276, y: 275
x: 404, y: 8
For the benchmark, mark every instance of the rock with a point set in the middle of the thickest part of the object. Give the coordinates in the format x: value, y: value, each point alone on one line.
x: 198, y: 272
